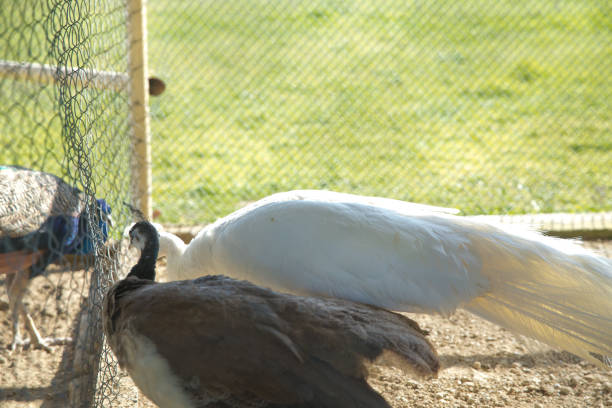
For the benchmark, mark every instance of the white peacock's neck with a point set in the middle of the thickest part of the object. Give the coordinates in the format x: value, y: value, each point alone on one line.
x: 184, y: 261
x: 173, y: 248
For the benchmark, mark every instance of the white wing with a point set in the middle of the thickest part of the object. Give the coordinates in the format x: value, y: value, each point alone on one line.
x: 352, y: 251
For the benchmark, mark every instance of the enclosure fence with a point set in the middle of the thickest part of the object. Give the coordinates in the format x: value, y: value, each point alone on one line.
x: 489, y: 107
x: 64, y: 110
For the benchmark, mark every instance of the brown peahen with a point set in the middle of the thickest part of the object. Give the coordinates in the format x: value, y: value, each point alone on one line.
x: 219, y: 342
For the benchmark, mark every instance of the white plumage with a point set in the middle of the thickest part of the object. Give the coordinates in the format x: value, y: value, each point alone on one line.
x: 410, y: 257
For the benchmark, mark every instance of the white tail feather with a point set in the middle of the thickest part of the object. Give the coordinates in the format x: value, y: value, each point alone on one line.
x: 550, y: 289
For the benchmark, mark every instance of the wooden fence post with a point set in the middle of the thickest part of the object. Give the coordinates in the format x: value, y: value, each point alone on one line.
x: 139, y: 107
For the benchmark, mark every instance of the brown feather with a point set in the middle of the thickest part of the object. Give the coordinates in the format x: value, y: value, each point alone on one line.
x: 236, y: 343
x: 15, y: 261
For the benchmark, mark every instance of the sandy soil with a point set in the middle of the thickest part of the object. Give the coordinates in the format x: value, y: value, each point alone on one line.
x: 483, y: 364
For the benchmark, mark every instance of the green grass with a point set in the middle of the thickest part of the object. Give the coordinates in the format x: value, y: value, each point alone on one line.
x: 489, y: 107
x: 497, y: 107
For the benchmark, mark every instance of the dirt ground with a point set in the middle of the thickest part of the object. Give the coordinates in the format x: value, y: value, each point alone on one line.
x: 483, y: 364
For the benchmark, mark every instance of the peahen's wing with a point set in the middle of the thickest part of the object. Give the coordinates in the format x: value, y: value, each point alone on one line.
x: 233, y: 338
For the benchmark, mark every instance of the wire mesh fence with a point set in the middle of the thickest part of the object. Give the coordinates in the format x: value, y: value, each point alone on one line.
x: 60, y: 115
x: 495, y: 108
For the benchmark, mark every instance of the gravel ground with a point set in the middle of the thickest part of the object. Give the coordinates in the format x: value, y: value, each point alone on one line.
x: 482, y: 364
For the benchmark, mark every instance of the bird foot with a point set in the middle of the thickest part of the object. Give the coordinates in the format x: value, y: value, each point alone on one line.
x: 44, y: 344
x: 17, y: 342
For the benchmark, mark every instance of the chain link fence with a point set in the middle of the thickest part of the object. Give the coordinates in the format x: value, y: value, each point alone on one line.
x: 492, y: 108
x: 62, y: 111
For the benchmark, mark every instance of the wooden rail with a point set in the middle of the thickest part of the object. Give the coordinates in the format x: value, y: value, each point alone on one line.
x: 49, y: 74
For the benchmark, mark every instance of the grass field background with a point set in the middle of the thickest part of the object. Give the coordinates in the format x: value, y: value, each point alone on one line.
x: 487, y: 107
